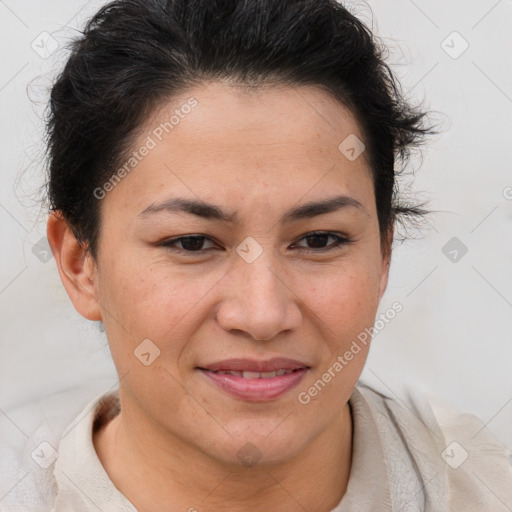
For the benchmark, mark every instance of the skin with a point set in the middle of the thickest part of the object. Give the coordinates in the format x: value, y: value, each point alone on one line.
x: 257, y: 153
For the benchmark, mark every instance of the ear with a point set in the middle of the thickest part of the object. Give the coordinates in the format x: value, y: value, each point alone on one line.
x: 76, y: 266
x: 386, y: 260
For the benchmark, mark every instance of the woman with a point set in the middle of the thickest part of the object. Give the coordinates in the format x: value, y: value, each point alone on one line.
x: 223, y: 200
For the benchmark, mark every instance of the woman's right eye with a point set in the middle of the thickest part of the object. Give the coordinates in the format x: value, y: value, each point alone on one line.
x: 189, y: 244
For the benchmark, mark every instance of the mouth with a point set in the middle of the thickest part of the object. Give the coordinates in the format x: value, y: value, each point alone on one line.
x: 254, y: 375
x: 253, y: 380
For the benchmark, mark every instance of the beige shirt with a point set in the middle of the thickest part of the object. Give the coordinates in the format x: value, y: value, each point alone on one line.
x: 409, y: 455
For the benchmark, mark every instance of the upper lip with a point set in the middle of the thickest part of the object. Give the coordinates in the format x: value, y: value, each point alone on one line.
x: 254, y: 365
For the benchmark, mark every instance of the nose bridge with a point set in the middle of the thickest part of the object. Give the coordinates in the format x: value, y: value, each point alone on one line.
x: 260, y: 281
x: 259, y: 285
x: 257, y: 302
x: 255, y: 261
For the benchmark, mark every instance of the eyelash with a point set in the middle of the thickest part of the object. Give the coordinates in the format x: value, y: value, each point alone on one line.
x: 339, y: 242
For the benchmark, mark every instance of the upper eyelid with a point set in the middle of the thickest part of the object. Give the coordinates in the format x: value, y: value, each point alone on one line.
x: 339, y: 237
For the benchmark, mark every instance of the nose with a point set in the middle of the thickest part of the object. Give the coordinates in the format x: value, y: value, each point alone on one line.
x: 258, y: 301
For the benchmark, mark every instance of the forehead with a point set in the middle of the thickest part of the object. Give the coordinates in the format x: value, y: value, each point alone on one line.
x: 218, y: 140
x: 247, y: 117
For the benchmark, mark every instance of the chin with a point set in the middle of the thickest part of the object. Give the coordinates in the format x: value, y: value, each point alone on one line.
x: 264, y: 447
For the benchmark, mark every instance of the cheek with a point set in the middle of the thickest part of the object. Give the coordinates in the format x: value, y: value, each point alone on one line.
x: 142, y: 299
x: 345, y: 302
x: 345, y: 297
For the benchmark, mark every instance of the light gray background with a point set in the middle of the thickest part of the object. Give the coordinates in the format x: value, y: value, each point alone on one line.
x: 453, y: 337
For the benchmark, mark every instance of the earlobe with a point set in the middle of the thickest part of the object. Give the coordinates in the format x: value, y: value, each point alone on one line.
x: 76, y: 266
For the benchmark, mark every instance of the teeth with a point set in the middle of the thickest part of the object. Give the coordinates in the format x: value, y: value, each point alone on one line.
x: 251, y: 375
x: 255, y: 375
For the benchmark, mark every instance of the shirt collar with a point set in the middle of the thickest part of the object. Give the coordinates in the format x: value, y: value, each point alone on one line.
x: 84, y: 486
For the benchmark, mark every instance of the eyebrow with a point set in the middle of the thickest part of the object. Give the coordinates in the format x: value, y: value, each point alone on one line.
x: 212, y: 211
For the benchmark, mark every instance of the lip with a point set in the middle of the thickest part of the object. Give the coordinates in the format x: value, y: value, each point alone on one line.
x: 256, y: 389
x: 254, y: 365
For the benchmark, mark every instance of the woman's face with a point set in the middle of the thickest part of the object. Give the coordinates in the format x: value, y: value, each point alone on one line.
x: 256, y: 292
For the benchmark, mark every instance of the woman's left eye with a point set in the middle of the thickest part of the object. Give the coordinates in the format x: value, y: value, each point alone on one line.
x: 317, y: 242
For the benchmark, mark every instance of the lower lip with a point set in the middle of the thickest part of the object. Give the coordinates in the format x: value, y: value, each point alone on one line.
x: 256, y: 390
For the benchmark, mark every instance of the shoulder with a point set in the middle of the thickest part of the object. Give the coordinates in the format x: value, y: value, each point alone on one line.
x: 470, y: 468
x: 29, y: 443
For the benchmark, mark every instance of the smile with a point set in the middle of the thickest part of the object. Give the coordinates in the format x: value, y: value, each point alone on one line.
x: 256, y: 375
x: 255, y: 381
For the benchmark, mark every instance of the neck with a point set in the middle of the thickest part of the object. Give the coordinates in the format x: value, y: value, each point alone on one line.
x: 177, y: 476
